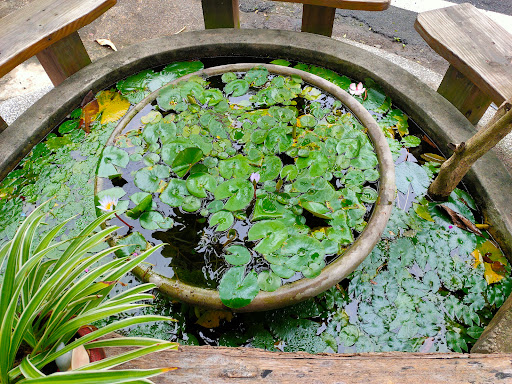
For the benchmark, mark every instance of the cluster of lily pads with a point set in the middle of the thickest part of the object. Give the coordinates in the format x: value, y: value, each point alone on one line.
x: 265, y: 150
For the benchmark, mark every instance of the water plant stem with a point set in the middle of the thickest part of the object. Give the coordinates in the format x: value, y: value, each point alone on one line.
x: 124, y: 222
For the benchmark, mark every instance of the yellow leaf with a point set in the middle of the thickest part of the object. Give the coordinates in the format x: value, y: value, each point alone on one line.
x: 491, y: 276
x: 422, y: 211
x: 113, y: 106
x: 211, y: 319
x: 486, y: 251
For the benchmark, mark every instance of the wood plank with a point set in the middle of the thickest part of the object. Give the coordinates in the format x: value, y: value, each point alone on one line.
x: 63, y: 58
x: 474, y: 44
x: 35, y: 27
x: 464, y: 95
x: 317, y: 19
x: 220, y: 365
x: 357, y: 5
x: 3, y: 124
x: 221, y: 14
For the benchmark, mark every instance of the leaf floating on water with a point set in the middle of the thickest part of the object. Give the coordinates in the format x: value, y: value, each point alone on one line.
x: 106, y: 43
x: 460, y: 220
x: 433, y: 157
x: 422, y: 211
x: 212, y: 319
x: 112, y: 106
x: 89, y: 114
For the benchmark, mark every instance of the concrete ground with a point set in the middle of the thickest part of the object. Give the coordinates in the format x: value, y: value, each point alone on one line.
x: 133, y: 21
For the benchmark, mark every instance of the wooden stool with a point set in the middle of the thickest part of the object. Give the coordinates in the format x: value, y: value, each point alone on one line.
x: 48, y: 29
x: 480, y: 55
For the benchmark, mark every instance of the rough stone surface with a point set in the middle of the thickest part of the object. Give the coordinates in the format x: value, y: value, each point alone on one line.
x: 497, y: 336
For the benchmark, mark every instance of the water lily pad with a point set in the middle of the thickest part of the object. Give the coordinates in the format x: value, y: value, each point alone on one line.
x: 151, y: 159
x: 238, y: 167
x: 317, y: 161
x: 268, y: 281
x: 237, y: 290
x: 228, y: 77
x: 148, y: 179
x: 306, y: 121
x: 317, y: 209
x: 354, y: 177
x: 185, y: 159
x: 150, y: 220
x: 267, y: 207
x: 303, y: 250
x: 270, y: 168
x: 163, y: 130
x: 142, y: 206
x: 273, y: 234
x: 313, y: 269
x: 111, y: 157
x: 237, y: 255
x: 237, y: 87
x: 282, y: 271
x: 215, y: 206
x: 289, y: 172
x: 199, y: 183
x: 409, y: 173
x: 133, y: 242
x: 369, y: 195
x: 175, y: 193
x: 239, y: 191
x: 277, y: 140
x: 191, y: 204
x: 257, y: 76
x: 222, y: 219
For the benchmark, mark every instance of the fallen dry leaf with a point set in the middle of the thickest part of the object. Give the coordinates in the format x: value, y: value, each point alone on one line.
x: 461, y: 221
x: 495, y: 263
x: 112, y: 106
x: 106, y: 43
x: 89, y: 114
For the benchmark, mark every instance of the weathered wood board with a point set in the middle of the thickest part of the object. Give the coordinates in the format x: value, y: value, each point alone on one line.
x: 220, y: 365
x: 474, y: 44
x: 33, y: 28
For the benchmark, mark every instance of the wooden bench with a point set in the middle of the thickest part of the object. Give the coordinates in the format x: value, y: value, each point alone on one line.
x: 48, y: 29
x: 480, y: 55
x: 317, y: 15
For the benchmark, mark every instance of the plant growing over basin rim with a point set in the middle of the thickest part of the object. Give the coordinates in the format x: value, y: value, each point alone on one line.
x: 43, y: 302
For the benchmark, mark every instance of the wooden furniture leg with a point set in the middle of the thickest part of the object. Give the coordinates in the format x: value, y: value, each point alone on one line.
x: 63, y: 58
x: 318, y: 19
x: 3, y: 124
x: 464, y: 95
x: 221, y: 14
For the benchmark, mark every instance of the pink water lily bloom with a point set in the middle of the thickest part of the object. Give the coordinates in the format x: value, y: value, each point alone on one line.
x: 255, y: 177
x: 108, y: 203
x: 357, y: 90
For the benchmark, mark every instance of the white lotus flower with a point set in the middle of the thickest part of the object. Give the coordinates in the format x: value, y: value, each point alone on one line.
x: 108, y: 203
x: 357, y: 90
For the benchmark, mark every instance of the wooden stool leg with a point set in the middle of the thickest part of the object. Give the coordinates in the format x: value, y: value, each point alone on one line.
x: 3, y: 124
x: 221, y: 14
x: 63, y: 58
x: 318, y: 19
x: 464, y: 95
